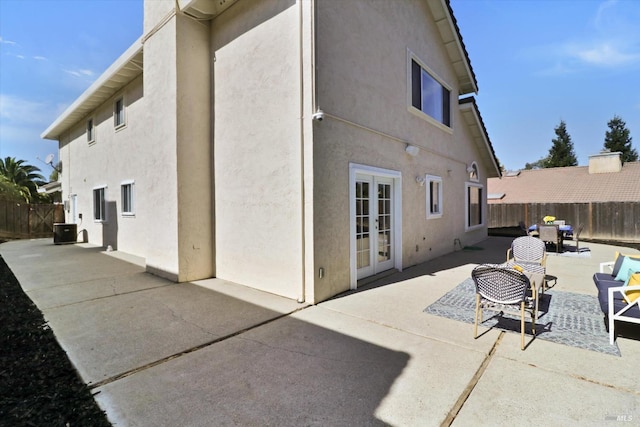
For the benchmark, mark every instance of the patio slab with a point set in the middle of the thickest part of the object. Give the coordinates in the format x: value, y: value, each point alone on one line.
x: 215, y: 352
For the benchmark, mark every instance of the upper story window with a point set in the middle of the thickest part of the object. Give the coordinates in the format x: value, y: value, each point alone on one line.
x: 91, y: 131
x: 429, y: 94
x: 118, y: 113
x: 434, y: 196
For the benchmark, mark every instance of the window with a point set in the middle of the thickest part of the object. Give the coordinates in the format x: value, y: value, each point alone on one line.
x: 118, y: 113
x: 126, y: 190
x: 474, y: 206
x: 91, y: 131
x: 99, y: 204
x: 434, y: 196
x: 429, y: 95
x: 473, y: 172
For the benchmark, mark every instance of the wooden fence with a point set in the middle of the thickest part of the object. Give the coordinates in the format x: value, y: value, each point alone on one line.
x: 27, y: 221
x: 619, y: 221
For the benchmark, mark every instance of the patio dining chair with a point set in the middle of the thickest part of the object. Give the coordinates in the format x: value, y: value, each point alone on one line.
x: 504, y: 290
x: 550, y: 233
x: 530, y: 253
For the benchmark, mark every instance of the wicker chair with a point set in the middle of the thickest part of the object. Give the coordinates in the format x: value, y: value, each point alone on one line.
x: 530, y: 253
x: 504, y: 290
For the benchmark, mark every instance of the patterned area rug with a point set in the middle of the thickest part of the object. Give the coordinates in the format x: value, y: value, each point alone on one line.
x: 563, y: 317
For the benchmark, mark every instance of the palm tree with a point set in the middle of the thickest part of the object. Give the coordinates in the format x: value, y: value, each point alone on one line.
x: 24, y: 176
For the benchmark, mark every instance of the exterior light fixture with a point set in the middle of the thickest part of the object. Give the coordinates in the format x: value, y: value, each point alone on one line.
x: 412, y: 150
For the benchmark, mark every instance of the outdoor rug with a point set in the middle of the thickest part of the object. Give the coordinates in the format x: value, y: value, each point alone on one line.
x: 570, y: 251
x: 563, y: 317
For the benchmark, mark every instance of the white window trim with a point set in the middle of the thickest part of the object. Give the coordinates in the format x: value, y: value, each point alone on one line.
x: 91, y: 140
x: 355, y: 169
x: 417, y: 112
x: 131, y: 213
x: 428, y: 180
x: 115, y: 113
x: 105, y: 215
x: 483, y: 207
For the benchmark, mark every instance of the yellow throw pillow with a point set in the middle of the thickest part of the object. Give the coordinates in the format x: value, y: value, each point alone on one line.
x: 633, y: 280
x: 518, y: 268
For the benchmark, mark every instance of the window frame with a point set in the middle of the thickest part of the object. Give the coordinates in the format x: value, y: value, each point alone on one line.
x: 429, y: 180
x: 467, y: 208
x: 131, y: 203
x: 102, y: 211
x: 90, y: 130
x: 446, y: 123
x: 119, y: 120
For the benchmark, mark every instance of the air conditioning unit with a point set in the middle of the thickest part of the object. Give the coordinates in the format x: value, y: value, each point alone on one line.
x: 65, y: 233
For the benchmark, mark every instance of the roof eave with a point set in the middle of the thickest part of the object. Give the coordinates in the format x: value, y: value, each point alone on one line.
x: 450, y: 33
x: 127, y: 67
x: 473, y: 119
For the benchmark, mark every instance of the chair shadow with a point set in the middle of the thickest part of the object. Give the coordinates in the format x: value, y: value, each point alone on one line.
x: 512, y: 324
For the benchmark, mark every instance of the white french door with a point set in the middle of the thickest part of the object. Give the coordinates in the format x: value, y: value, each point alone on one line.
x: 374, y: 230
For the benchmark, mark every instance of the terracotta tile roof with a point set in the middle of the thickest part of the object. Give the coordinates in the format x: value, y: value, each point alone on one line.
x: 568, y: 185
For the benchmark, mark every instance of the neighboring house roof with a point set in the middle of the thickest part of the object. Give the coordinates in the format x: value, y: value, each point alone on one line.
x: 567, y: 185
x: 473, y: 119
x: 50, y: 187
x: 450, y: 33
x: 127, y: 67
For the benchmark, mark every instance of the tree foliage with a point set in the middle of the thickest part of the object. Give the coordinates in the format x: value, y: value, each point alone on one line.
x: 617, y: 139
x: 22, y: 178
x: 561, y: 153
x: 538, y: 164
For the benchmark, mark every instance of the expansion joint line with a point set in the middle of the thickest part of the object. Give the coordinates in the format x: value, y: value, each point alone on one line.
x: 453, y: 413
x: 109, y: 380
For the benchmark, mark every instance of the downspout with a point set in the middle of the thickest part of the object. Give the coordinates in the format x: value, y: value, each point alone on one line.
x: 302, y: 295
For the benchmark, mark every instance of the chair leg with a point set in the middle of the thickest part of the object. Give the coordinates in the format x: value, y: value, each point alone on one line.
x: 522, y: 325
x: 475, y: 318
x: 535, y: 311
x: 612, y: 335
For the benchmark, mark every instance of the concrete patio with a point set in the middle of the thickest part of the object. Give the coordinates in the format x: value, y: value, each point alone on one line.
x: 218, y: 353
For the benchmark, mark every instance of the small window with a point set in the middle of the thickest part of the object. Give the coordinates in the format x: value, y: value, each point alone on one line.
x: 474, y: 206
x: 434, y: 196
x: 91, y: 131
x: 118, y: 113
x: 99, y: 204
x: 127, y: 194
x: 473, y: 172
x: 429, y: 95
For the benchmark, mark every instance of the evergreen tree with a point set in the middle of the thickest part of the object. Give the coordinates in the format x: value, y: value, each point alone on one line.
x: 561, y: 153
x: 617, y: 139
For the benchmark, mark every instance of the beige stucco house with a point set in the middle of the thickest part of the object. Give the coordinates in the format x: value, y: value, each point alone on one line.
x: 294, y: 146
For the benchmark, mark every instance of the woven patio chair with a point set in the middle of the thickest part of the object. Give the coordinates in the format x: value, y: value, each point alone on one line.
x: 504, y: 290
x: 530, y: 253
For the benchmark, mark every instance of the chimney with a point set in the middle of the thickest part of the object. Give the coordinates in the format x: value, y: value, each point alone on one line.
x: 605, y: 162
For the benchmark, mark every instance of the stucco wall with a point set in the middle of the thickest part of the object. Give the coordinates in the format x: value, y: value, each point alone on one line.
x: 257, y: 150
x: 362, y: 82
x: 116, y: 156
x: 193, y: 146
x: 160, y: 163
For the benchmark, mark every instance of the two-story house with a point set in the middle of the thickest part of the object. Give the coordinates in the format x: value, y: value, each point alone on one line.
x: 294, y: 146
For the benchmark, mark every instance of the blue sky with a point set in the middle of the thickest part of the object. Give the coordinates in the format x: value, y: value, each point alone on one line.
x: 537, y: 62
x: 50, y: 52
